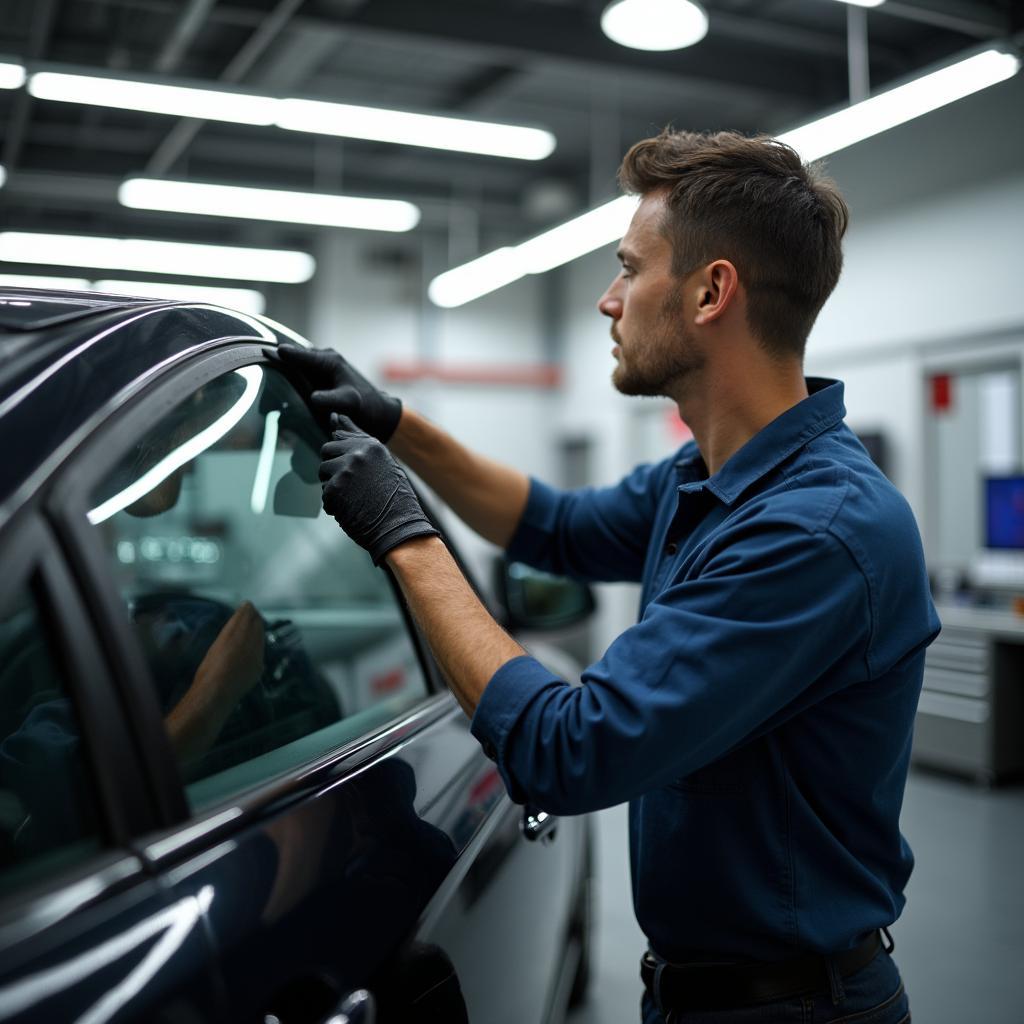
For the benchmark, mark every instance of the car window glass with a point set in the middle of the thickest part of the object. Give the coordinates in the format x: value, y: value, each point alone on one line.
x: 270, y: 636
x: 48, y: 816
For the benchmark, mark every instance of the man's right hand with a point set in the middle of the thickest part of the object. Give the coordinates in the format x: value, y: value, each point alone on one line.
x: 338, y: 387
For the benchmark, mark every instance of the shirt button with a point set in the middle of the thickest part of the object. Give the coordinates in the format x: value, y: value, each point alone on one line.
x: 671, y: 547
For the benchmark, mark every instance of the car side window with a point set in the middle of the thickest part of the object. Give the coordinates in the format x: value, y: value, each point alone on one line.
x: 48, y: 811
x: 270, y: 636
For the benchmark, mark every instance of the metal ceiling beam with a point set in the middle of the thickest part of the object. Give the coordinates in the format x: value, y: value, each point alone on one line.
x: 763, y: 32
x: 506, y: 40
x: 182, y: 134
x: 191, y: 20
x: 39, y: 36
x: 97, y: 191
x: 289, y: 162
x: 502, y: 34
x: 979, y: 21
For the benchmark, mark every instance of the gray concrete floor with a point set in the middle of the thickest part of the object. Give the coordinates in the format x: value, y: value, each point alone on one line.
x: 959, y: 943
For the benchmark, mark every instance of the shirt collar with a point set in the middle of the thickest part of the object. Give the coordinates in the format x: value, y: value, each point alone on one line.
x: 823, y: 408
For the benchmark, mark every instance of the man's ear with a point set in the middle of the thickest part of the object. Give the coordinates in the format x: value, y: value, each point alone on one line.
x: 717, y: 287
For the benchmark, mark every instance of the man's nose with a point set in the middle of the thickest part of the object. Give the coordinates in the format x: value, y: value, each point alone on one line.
x: 610, y: 304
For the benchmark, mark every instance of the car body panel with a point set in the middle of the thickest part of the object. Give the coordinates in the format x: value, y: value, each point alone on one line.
x: 313, y: 884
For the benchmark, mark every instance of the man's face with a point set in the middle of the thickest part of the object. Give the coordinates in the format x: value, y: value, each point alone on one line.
x: 654, y: 349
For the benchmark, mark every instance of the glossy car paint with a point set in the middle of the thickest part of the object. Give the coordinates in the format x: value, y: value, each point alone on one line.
x: 376, y: 866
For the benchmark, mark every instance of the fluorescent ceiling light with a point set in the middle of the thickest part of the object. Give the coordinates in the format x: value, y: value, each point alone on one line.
x: 153, y: 97
x: 544, y: 252
x: 12, y: 76
x: 654, y: 24
x: 609, y: 222
x: 147, y: 256
x: 245, y: 300
x: 864, y: 3
x: 579, y: 236
x: 430, y: 131
x: 478, y: 277
x: 318, y: 117
x: 269, y: 204
x: 879, y: 113
x: 69, y: 284
x: 185, y: 453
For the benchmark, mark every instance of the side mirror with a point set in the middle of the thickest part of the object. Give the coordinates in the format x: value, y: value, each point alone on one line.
x: 537, y: 600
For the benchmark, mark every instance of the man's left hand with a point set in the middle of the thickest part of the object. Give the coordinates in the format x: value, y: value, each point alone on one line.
x: 368, y: 493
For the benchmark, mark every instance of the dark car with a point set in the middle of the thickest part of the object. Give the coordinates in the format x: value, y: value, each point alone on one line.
x: 233, y: 785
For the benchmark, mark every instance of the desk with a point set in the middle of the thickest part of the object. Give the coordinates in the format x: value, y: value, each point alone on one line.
x: 971, y: 715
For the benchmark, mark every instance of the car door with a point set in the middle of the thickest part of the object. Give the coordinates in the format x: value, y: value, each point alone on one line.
x: 322, y: 791
x: 86, y: 933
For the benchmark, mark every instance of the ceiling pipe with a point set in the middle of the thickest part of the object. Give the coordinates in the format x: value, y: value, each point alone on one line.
x: 192, y: 19
x: 181, y: 135
x: 857, y: 59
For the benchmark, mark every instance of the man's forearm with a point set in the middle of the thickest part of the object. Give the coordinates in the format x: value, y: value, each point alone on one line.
x: 196, y: 720
x: 486, y: 495
x: 467, y: 643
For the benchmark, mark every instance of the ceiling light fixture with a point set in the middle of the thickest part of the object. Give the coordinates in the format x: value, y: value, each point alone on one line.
x: 12, y: 76
x: 245, y: 300
x: 654, y: 24
x: 3, y: 175
x: 315, y: 116
x: 537, y: 255
x: 157, y: 257
x: 427, y: 130
x: 864, y: 3
x: 69, y: 284
x: 877, y: 114
x: 607, y: 223
x: 269, y: 204
x: 153, y: 97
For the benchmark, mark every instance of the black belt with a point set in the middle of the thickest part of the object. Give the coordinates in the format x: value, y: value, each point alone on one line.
x: 712, y: 986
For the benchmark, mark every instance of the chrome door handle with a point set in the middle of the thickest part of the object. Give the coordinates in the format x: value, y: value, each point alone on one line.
x: 538, y: 825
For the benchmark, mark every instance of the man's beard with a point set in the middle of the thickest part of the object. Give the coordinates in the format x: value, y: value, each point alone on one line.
x: 657, y: 364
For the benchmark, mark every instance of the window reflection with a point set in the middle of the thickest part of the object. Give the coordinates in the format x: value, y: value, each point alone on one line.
x: 270, y: 636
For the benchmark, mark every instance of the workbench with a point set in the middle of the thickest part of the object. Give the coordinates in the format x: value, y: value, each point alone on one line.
x: 970, y: 718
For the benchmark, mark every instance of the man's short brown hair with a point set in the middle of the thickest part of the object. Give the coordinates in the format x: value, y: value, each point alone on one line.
x: 753, y: 202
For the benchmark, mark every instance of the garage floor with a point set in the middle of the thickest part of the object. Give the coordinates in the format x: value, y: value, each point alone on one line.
x: 960, y: 942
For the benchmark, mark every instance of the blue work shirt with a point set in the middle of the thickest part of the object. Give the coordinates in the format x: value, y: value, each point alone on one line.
x: 758, y: 717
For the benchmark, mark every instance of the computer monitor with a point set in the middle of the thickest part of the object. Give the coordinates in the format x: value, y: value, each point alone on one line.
x: 1004, y: 512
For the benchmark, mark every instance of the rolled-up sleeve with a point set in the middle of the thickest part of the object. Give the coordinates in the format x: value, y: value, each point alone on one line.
x: 594, y: 534
x: 776, y: 618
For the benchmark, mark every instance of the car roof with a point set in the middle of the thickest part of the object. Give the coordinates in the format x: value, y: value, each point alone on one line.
x: 69, y: 358
x: 31, y: 309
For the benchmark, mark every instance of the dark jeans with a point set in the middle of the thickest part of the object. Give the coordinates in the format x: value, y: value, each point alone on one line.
x: 873, y: 995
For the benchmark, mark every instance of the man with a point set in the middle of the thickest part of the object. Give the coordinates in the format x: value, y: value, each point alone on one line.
x: 758, y: 716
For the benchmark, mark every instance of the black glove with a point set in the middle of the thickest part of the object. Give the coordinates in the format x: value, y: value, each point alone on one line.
x: 339, y: 387
x: 368, y: 493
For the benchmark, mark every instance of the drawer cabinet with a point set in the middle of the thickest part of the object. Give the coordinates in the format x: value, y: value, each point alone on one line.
x: 970, y: 717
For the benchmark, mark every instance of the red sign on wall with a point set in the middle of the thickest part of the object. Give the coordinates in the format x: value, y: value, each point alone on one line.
x: 942, y: 392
